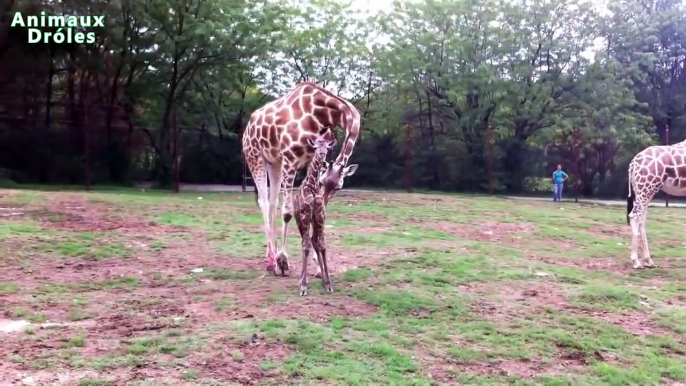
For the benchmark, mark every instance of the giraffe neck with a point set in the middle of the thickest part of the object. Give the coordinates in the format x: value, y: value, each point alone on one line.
x: 352, y: 131
x: 311, y: 181
x: 349, y: 119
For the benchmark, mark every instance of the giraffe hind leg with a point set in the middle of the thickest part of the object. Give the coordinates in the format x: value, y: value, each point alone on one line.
x: 274, y: 173
x: 258, y: 170
x: 643, y: 193
x: 635, y: 220
x: 635, y: 234
x: 648, y: 261
x: 287, y: 178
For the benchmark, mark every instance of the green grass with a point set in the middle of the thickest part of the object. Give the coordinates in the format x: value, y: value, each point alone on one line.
x: 437, y: 289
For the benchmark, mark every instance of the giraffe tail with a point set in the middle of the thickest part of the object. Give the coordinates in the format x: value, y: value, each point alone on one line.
x: 254, y: 185
x: 630, y: 203
x: 257, y: 202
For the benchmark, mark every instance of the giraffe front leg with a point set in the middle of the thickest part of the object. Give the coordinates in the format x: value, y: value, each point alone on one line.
x: 288, y: 177
x: 635, y: 234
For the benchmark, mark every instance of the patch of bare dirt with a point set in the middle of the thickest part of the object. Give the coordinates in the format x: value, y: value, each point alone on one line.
x: 240, y: 362
x: 165, y: 295
x: 370, y: 217
x: 321, y: 310
x: 515, y: 300
x: 437, y: 366
x: 10, y: 212
x: 522, y: 368
x: 521, y: 300
x: 442, y: 368
x: 610, y: 230
x: 614, y: 266
x: 82, y: 216
x: 678, y: 299
x: 75, y: 213
x: 69, y: 376
x: 489, y: 231
x: 147, y: 311
x: 633, y: 322
x: 256, y: 303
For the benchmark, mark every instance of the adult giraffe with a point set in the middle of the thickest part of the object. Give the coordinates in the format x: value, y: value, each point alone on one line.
x: 653, y: 169
x: 275, y: 147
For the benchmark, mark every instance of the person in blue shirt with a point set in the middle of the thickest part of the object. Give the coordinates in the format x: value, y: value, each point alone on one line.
x: 559, y: 178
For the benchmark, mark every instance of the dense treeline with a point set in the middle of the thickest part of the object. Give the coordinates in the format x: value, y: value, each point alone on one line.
x: 455, y: 94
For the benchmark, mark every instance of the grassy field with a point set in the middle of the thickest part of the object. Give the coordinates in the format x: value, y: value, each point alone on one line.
x: 429, y: 289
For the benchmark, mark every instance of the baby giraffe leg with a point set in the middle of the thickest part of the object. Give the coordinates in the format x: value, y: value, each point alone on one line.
x: 303, y: 221
x: 315, y: 259
x: 320, y: 248
x: 306, y: 249
x: 327, y: 282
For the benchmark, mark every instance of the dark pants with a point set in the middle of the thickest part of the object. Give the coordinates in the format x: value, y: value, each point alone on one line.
x: 557, y: 191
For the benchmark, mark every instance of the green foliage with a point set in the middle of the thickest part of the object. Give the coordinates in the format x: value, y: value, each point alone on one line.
x: 455, y: 94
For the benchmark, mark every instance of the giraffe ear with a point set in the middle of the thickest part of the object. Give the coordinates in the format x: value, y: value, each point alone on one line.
x: 311, y: 141
x: 350, y: 170
x: 332, y: 143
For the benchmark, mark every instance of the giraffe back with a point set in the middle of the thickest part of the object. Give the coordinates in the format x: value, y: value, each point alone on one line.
x: 280, y: 129
x: 659, y: 168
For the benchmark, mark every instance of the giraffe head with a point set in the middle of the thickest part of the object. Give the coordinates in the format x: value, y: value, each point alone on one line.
x: 331, y: 177
x: 322, y: 144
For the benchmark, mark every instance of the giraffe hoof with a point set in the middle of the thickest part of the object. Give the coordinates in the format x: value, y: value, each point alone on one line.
x: 303, y: 292
x: 282, y: 262
x: 651, y: 266
x: 271, y: 268
x: 638, y: 266
x: 328, y: 287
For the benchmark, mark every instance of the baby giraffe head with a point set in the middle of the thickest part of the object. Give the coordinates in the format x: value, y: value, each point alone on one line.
x: 331, y: 178
x: 322, y: 144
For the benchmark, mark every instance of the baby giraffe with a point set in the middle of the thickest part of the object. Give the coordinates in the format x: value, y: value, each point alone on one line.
x: 310, y: 211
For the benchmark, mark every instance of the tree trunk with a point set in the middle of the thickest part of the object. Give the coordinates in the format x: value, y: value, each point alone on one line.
x: 514, y: 164
x: 44, y: 158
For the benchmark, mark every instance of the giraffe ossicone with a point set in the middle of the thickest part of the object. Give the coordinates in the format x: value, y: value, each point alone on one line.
x: 653, y: 169
x: 276, y: 145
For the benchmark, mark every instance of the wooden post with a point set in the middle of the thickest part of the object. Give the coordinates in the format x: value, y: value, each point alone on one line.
x: 176, y: 150
x: 86, y: 146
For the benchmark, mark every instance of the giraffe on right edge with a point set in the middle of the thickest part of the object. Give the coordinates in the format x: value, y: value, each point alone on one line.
x: 653, y: 169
